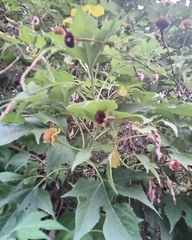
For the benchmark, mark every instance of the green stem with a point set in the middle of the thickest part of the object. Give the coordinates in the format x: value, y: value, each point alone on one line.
x: 90, y: 163
x: 47, y: 176
x: 82, y: 135
x: 105, y: 131
x: 67, y: 145
x: 184, y: 41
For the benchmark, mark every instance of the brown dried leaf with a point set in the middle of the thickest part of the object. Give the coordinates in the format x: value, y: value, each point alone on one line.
x: 151, y: 191
x: 174, y: 165
x: 170, y: 186
x: 156, y: 140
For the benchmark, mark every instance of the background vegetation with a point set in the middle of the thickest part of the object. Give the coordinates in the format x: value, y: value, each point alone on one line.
x: 96, y: 113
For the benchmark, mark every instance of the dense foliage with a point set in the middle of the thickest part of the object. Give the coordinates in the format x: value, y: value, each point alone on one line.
x: 95, y: 120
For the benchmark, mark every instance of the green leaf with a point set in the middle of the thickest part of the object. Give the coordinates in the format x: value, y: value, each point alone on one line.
x: 81, y: 157
x: 60, y: 121
x: 26, y: 35
x: 184, y: 158
x: 121, y: 222
x: 175, y: 211
x: 171, y: 125
x: 10, y: 177
x: 38, y: 133
x: 134, y: 117
x: 99, y: 194
x: 124, y: 175
x: 67, y: 219
x: 136, y: 192
x: 144, y: 160
x: 43, y: 201
x: 62, y: 93
x: 10, y: 39
x: 12, y: 132
x: 18, y: 160
x: 154, y: 221
x: 26, y: 200
x: 30, y: 225
x: 155, y: 173
x: 88, y: 109
x: 13, y: 118
x: 109, y: 174
x: 59, y: 154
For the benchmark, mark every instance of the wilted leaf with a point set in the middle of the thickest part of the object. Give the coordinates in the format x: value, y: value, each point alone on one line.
x: 114, y: 159
x: 155, y: 138
x: 151, y: 191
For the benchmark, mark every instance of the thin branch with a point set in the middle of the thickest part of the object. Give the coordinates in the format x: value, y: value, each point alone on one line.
x: 169, y: 55
x: 7, y: 110
x: 8, y: 67
x: 22, y: 81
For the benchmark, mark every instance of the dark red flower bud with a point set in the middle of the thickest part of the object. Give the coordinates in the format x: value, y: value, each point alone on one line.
x: 69, y: 40
x: 100, y: 117
x: 162, y: 23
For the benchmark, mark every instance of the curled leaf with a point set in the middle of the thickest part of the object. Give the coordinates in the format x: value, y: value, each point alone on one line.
x: 155, y: 138
x: 115, y: 160
x: 174, y: 165
x: 170, y: 186
x: 151, y: 191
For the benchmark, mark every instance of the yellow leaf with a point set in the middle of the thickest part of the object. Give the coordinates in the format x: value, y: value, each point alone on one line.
x: 115, y: 160
x: 97, y: 11
x: 122, y: 92
x: 73, y: 12
x: 67, y: 20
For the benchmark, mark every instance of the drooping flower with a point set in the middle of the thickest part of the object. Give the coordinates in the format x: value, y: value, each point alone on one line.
x: 132, y: 5
x: 97, y: 11
x: 73, y: 12
x: 67, y: 20
x: 122, y: 92
x: 50, y: 135
x: 185, y: 24
x: 162, y: 23
x: 101, y: 118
